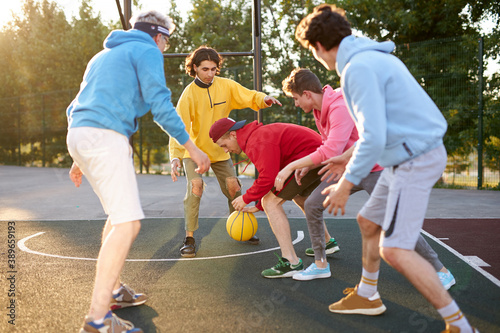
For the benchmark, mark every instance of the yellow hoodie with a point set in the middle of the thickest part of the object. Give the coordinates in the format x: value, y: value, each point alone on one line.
x: 199, y: 107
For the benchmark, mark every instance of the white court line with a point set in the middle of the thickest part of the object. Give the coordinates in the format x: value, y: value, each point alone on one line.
x: 22, y: 246
x: 460, y: 256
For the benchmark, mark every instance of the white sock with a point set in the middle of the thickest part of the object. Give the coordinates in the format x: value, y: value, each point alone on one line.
x: 99, y: 321
x: 367, y: 287
x: 453, y: 316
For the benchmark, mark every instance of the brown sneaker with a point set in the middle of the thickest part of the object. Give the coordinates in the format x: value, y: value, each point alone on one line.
x: 454, y: 329
x: 355, y: 304
x: 127, y: 297
x: 112, y: 324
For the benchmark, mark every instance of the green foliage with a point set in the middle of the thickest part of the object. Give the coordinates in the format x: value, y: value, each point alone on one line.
x: 43, y: 55
x: 425, y: 32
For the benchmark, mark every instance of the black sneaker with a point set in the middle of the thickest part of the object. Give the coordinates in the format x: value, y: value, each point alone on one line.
x: 188, y: 250
x: 254, y: 240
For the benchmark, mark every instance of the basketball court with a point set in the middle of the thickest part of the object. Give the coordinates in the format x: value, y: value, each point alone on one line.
x: 57, y: 230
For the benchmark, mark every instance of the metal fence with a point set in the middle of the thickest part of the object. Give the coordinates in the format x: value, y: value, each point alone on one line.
x: 33, y: 127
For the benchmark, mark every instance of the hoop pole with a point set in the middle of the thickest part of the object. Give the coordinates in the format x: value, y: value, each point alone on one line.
x: 122, y: 18
x: 257, y: 58
x: 127, y: 11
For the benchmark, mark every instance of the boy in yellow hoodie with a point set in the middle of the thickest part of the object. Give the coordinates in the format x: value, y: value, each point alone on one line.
x: 204, y: 101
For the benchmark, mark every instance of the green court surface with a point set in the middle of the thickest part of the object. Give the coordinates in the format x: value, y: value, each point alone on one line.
x: 221, y: 290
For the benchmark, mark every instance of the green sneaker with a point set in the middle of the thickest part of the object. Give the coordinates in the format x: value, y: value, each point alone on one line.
x: 283, y: 269
x: 331, y: 247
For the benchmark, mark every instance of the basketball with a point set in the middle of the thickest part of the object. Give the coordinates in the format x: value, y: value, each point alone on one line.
x: 241, y: 226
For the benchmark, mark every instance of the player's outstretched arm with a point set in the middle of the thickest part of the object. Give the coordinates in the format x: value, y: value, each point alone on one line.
x: 299, y: 164
x: 335, y: 166
x: 199, y: 157
x: 337, y: 196
x: 269, y: 100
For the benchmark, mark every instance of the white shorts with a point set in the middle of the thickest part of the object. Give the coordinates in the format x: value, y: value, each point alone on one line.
x: 105, y: 158
x: 399, y: 201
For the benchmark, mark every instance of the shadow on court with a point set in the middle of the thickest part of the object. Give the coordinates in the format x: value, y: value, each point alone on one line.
x: 221, y: 290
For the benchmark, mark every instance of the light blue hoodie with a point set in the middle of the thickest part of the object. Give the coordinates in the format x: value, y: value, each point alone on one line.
x: 396, y: 119
x: 121, y: 84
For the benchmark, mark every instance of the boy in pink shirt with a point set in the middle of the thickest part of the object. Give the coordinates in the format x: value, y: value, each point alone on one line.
x: 339, y: 133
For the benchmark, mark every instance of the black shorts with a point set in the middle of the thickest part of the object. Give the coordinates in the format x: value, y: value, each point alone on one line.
x: 291, y: 189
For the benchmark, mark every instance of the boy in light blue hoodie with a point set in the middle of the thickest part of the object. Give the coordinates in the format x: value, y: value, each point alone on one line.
x: 401, y: 129
x: 121, y: 84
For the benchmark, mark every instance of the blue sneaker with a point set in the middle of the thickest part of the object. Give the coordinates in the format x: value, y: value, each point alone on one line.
x: 447, y: 279
x: 127, y: 297
x: 313, y: 272
x: 111, y: 324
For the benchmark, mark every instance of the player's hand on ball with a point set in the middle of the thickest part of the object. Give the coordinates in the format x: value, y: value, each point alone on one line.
x: 238, y: 203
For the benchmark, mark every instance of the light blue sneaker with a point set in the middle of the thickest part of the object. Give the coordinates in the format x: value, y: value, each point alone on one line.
x: 313, y: 272
x: 447, y: 279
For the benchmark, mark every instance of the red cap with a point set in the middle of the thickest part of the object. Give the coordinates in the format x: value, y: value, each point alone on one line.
x: 223, y: 125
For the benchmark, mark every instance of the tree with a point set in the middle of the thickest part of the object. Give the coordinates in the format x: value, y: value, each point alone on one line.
x: 445, y: 65
x: 44, y: 56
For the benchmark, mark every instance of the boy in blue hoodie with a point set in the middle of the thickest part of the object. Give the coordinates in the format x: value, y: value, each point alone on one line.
x: 401, y: 129
x: 121, y: 84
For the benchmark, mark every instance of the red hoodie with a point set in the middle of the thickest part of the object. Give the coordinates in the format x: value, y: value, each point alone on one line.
x: 272, y: 147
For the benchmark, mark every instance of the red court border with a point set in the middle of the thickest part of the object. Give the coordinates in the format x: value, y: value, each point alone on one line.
x: 470, y: 237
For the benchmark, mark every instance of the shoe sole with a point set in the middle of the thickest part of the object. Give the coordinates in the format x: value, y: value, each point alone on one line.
x: 332, y: 250
x: 367, y: 312
x: 188, y: 255
x: 301, y: 277
x: 117, y: 306
x: 450, y: 284
x: 286, y: 275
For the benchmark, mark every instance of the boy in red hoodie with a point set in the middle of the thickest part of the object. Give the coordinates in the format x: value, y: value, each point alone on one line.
x: 271, y: 147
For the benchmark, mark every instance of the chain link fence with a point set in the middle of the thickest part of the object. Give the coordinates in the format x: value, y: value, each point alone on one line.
x: 33, y: 127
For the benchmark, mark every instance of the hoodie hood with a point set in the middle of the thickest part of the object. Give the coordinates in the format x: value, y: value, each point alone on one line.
x: 350, y: 46
x: 330, y: 96
x: 118, y: 37
x: 243, y: 134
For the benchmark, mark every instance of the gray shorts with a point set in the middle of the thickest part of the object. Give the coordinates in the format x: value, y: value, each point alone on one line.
x: 399, y: 201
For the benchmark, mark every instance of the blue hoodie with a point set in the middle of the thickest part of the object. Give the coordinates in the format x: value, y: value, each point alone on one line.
x: 121, y: 84
x: 396, y: 119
